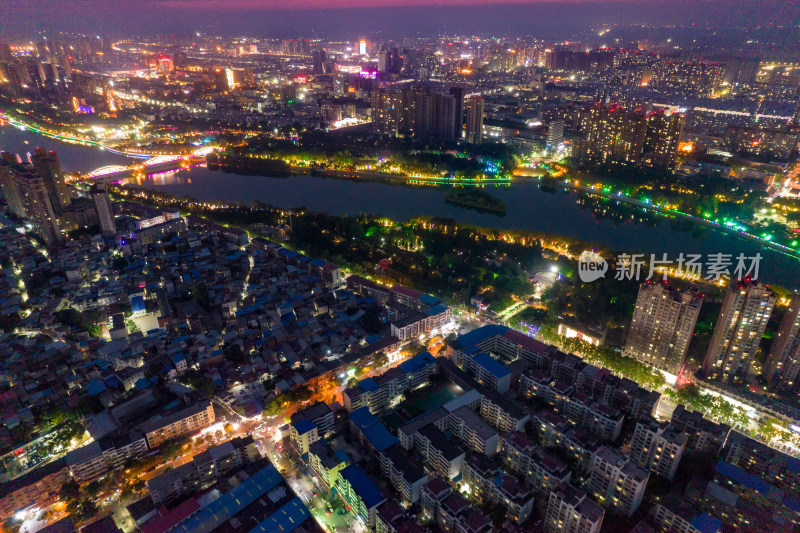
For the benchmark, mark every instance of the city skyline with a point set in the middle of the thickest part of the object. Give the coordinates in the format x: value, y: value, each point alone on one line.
x: 420, y: 267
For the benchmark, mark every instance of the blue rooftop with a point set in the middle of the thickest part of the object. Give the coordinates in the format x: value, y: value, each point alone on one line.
x: 286, y: 519
x: 341, y: 455
x: 792, y: 503
x: 363, y: 418
x: 137, y: 303
x: 363, y: 486
x: 793, y: 464
x: 142, y: 384
x: 436, y: 310
x: 418, y: 361
x: 232, y: 502
x: 481, y: 334
x: 429, y: 300
x: 380, y: 437
x: 368, y: 385
x: 96, y: 387
x: 372, y: 339
x: 705, y: 523
x: 304, y: 426
x: 491, y: 365
x: 751, y: 481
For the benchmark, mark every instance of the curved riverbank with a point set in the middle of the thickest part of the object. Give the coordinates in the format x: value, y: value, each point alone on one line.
x: 619, y: 197
x: 530, y: 207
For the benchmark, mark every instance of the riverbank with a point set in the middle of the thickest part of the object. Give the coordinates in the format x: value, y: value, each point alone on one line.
x: 609, y: 222
x: 71, y: 139
x: 647, y: 206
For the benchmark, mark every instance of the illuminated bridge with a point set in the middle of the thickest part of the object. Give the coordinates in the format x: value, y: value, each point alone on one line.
x: 154, y: 165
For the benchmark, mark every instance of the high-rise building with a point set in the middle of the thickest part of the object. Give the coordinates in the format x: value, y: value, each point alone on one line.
x: 383, y: 60
x: 741, y: 323
x: 102, y: 205
x: 394, y: 111
x: 615, y: 135
x: 12, y: 195
x: 662, y: 326
x: 622, y: 137
x: 395, y: 61
x: 435, y: 115
x: 444, y: 117
x: 555, y: 133
x: 474, y: 120
x: 783, y: 364
x: 661, y: 141
x: 27, y: 194
x: 616, y: 482
x: 658, y: 447
x: 36, y: 200
x: 570, y: 510
x: 49, y: 169
x: 319, y: 58
x: 458, y: 94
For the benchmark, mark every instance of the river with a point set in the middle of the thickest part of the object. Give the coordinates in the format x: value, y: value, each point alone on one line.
x: 529, y: 207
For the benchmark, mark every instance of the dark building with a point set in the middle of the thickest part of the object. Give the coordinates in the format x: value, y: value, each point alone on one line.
x: 458, y: 94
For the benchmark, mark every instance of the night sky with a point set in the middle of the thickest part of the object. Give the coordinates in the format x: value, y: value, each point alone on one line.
x: 342, y: 18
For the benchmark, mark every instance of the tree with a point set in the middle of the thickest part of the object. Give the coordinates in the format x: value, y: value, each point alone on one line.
x: 381, y: 360
x: 371, y: 320
x: 70, y: 490
x: 93, y: 489
x: 55, y: 416
x: 274, y: 407
x: 228, y: 428
x: 119, y: 263
x: 200, y: 294
x: 208, y: 387
x: 233, y: 353
x: 82, y: 509
x: 302, y: 393
x: 12, y: 525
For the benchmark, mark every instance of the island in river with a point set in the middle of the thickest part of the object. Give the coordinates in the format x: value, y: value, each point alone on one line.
x: 476, y: 199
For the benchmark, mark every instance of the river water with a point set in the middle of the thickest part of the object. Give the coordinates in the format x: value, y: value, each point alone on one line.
x: 529, y: 207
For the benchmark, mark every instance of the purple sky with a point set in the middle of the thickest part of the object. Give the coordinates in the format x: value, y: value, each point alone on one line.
x: 343, y: 17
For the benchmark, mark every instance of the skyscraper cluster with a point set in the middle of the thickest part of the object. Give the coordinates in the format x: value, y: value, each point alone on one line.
x: 618, y: 136
x: 423, y: 113
x: 36, y: 191
x: 664, y: 321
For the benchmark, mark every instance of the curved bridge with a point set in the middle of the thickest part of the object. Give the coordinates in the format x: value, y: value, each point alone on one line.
x: 154, y: 165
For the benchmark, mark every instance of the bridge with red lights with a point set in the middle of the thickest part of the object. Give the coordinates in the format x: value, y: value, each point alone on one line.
x: 155, y: 165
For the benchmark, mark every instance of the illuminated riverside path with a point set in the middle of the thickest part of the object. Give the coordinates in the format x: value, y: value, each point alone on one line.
x: 528, y: 207
x: 620, y: 197
x: 89, y: 157
x: 68, y: 138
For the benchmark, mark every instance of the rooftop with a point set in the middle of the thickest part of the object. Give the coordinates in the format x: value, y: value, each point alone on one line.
x: 491, y: 365
x: 286, y: 519
x: 363, y: 486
